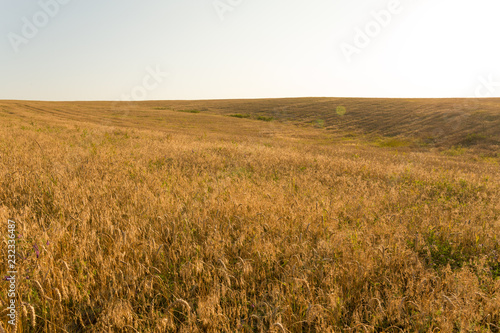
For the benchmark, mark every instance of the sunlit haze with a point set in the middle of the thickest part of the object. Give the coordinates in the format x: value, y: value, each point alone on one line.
x: 206, y: 49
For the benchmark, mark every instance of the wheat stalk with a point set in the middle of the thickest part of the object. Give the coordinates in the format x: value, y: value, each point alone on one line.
x: 32, y: 315
x: 182, y: 302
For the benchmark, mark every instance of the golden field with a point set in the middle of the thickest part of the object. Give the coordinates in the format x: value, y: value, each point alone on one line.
x: 284, y: 215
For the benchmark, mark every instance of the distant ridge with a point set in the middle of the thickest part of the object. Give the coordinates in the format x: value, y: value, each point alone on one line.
x: 466, y: 122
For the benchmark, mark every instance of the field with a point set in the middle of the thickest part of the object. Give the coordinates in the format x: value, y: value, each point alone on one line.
x: 282, y: 215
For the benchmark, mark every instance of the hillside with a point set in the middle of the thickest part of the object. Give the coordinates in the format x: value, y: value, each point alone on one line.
x: 209, y: 216
x: 442, y: 123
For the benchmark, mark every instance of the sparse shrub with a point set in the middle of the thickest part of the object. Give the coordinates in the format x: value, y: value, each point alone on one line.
x: 393, y: 143
x: 320, y: 123
x: 189, y: 111
x: 264, y: 118
x: 473, y: 139
x: 238, y: 115
x: 455, y: 151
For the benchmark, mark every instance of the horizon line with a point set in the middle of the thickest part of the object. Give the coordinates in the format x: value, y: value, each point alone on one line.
x: 230, y: 99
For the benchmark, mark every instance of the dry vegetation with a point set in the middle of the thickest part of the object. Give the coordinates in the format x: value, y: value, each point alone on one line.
x: 151, y: 220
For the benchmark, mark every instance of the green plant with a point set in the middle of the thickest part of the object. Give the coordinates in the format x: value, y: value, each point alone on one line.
x: 189, y: 111
x: 238, y: 115
x: 264, y: 118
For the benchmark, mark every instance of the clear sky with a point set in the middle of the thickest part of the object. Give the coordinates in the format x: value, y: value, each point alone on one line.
x: 210, y: 49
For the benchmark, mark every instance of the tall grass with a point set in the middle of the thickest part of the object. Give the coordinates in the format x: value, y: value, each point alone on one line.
x: 150, y: 231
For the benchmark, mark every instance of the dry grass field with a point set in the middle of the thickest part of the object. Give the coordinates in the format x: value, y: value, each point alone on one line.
x: 284, y: 215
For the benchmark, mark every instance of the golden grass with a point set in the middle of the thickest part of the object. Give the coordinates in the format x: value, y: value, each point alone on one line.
x: 152, y: 220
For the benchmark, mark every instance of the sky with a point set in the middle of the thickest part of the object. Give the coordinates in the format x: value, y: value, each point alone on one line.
x: 221, y: 49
